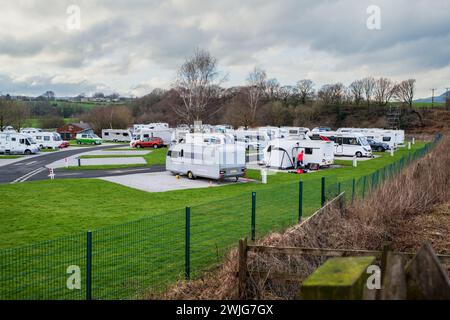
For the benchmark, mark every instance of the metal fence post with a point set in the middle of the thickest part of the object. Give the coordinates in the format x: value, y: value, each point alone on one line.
x: 253, y: 216
x: 89, y: 265
x: 187, y: 245
x: 79, y: 162
x: 300, y: 201
x: 364, y: 187
x: 353, y: 189
x: 323, y: 198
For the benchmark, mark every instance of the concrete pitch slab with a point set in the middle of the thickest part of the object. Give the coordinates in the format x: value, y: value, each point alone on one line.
x: 72, y: 161
x: 166, y: 181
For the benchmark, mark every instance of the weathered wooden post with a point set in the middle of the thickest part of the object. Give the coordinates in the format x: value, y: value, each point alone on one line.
x: 242, y: 272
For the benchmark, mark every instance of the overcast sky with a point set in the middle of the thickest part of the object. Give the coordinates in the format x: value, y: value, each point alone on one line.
x: 133, y: 46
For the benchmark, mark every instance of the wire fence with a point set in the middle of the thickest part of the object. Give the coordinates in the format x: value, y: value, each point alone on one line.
x: 140, y: 259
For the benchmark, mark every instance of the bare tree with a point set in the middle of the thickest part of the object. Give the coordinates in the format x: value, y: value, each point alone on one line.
x: 357, y: 91
x: 368, y: 85
x: 384, y: 89
x: 272, y: 88
x: 305, y: 89
x: 196, y: 84
x: 325, y: 94
x: 256, y: 84
x: 19, y: 113
x: 404, y: 91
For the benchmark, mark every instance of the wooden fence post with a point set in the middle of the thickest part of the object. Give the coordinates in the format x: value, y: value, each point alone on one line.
x: 242, y: 268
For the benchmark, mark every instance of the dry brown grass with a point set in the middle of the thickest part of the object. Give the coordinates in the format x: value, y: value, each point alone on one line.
x: 406, y: 211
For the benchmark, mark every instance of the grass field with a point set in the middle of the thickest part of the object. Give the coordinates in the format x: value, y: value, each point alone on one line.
x: 155, y: 157
x: 132, y: 256
x: 2, y: 156
x: 96, y: 203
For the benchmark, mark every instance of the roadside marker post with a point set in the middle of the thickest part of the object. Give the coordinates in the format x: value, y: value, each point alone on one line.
x: 51, y: 173
x: 66, y: 162
x: 355, y: 162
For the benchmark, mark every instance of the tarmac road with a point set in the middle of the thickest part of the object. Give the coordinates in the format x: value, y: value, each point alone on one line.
x: 32, y: 169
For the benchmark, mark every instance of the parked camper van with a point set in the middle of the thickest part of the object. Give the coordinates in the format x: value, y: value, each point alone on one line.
x: 349, y: 144
x: 282, y: 153
x: 50, y: 140
x: 209, y: 156
x: 88, y: 138
x: 394, y: 138
x: 150, y: 126
x: 11, y: 143
x: 116, y: 135
x: 296, y: 132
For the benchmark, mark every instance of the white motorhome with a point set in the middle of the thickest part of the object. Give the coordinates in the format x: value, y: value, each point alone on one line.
x: 394, y: 138
x: 17, y: 143
x: 116, y: 135
x: 282, y: 153
x: 349, y: 143
x: 162, y: 132
x: 50, y: 140
x: 212, y: 156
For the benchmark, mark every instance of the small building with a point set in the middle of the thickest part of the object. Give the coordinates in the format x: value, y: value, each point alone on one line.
x: 69, y: 131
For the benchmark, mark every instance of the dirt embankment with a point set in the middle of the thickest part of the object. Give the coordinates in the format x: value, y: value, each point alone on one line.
x: 412, y: 208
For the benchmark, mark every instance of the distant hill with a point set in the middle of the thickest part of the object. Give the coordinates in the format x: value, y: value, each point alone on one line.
x: 440, y: 98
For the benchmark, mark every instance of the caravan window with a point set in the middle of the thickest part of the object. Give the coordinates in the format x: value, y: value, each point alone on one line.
x: 13, y: 139
x: 22, y: 141
x: 308, y: 151
x: 38, y: 138
x: 386, y: 139
x: 46, y: 138
x: 351, y: 141
x: 339, y: 141
x: 181, y: 153
x: 106, y: 133
x: 125, y: 134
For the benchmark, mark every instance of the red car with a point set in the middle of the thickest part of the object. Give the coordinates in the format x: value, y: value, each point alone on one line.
x: 64, y: 144
x: 154, y: 142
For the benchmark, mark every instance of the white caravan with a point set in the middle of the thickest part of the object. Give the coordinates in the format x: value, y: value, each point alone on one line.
x: 164, y: 133
x: 349, y: 143
x: 11, y: 143
x: 30, y: 130
x: 253, y: 139
x: 50, y: 140
x: 282, y: 153
x: 296, y: 132
x: 116, y: 135
x: 150, y: 126
x: 212, y: 156
x: 9, y: 129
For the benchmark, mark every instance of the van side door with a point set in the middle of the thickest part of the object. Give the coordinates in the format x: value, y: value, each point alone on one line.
x: 339, y: 145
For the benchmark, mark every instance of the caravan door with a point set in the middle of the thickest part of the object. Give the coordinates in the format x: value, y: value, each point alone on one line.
x: 339, y: 146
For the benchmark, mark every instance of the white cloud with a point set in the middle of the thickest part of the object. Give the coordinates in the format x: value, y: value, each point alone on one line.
x: 133, y: 46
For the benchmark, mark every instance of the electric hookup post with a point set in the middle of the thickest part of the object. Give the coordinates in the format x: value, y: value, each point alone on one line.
x: 253, y: 216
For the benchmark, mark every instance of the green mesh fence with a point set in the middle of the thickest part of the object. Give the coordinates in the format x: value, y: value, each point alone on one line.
x: 141, y: 258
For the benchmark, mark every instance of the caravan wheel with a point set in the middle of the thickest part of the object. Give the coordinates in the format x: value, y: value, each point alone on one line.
x: 190, y: 175
x: 359, y: 154
x: 27, y: 152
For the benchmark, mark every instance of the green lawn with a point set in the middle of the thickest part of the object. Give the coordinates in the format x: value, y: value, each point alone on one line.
x: 95, y: 203
x: 138, y: 237
x: 155, y: 157
x: 8, y: 156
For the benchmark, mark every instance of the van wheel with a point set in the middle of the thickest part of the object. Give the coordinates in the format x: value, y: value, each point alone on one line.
x: 359, y: 154
x: 155, y: 146
x: 190, y: 175
x: 236, y: 179
x: 27, y: 152
x: 41, y: 146
x: 138, y: 146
